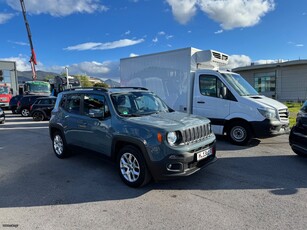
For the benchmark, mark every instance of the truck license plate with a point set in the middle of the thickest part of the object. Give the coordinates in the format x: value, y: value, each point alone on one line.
x: 203, y: 154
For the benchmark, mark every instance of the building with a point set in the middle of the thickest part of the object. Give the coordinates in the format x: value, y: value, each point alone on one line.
x: 8, y: 74
x: 284, y: 81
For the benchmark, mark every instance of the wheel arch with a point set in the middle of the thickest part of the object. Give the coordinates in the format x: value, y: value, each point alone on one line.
x: 228, y: 124
x: 121, y: 141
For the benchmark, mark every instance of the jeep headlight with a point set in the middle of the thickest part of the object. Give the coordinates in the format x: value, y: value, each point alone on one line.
x: 268, y: 113
x: 172, y: 138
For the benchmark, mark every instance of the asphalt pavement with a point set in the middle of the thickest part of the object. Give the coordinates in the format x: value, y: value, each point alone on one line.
x: 260, y: 186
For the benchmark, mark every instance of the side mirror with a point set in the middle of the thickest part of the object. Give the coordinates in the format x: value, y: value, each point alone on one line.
x: 96, y: 113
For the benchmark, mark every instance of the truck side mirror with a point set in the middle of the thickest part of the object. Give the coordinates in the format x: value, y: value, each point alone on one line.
x: 223, y: 92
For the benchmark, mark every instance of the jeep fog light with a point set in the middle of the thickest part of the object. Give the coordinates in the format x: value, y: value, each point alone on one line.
x: 171, y: 138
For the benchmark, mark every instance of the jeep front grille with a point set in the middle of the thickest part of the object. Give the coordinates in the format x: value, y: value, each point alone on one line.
x: 196, y: 134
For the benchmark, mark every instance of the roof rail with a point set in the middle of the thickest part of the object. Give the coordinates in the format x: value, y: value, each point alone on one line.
x: 131, y: 87
x: 87, y: 88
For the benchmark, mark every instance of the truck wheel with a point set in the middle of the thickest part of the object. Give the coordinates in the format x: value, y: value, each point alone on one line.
x: 132, y: 167
x: 38, y: 116
x: 59, y: 146
x: 239, y: 133
x: 25, y: 112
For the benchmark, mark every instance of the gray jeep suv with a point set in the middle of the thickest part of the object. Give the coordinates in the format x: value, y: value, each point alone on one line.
x: 136, y: 129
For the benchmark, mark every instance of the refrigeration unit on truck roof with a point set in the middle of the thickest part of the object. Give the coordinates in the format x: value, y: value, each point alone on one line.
x: 210, y: 59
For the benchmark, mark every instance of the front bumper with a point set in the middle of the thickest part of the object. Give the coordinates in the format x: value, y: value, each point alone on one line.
x: 4, y: 104
x: 2, y: 117
x: 180, y: 164
x: 267, y: 128
x: 298, y: 140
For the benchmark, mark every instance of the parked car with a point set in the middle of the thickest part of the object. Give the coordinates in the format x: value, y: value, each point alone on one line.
x: 41, y: 109
x: 24, y: 104
x: 13, y: 103
x: 298, y: 134
x: 2, y: 116
x: 136, y: 129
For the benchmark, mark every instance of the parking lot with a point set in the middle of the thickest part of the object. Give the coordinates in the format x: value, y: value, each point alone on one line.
x: 260, y: 186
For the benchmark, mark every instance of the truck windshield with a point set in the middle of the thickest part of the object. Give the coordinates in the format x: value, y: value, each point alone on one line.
x: 4, y: 90
x: 37, y: 87
x: 239, y: 84
x: 138, y: 103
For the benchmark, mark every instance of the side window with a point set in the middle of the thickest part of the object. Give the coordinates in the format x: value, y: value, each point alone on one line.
x: 63, y: 102
x: 211, y: 86
x: 72, y: 104
x: 207, y: 85
x: 94, y: 103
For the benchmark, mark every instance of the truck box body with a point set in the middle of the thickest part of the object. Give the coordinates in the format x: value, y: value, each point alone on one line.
x: 188, y: 80
x: 167, y: 74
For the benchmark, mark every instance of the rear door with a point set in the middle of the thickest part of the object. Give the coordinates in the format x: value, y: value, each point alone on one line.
x: 99, y: 131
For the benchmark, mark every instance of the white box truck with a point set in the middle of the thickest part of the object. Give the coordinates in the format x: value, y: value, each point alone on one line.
x: 189, y: 80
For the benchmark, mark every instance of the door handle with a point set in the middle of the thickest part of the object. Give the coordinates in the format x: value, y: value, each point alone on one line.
x: 201, y: 102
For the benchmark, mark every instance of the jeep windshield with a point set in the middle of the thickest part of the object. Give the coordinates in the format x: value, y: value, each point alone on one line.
x: 239, y: 84
x: 138, y: 104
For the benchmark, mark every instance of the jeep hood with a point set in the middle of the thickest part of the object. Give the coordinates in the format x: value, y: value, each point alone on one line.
x: 170, y: 121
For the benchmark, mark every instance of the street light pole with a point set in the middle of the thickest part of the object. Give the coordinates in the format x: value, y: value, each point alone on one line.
x: 67, y: 81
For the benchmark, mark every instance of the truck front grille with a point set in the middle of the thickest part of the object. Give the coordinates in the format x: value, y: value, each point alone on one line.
x: 283, y: 114
x: 196, y: 134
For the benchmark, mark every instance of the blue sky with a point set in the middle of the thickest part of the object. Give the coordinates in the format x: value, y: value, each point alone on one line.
x: 90, y: 36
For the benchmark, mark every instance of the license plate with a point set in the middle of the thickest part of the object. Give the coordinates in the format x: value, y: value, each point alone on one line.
x: 203, y: 154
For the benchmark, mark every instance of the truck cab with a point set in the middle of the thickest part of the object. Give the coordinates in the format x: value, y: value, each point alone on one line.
x: 5, y: 95
x: 235, y: 108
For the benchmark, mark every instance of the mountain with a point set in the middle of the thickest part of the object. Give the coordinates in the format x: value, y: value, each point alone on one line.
x: 112, y: 83
x: 40, y: 75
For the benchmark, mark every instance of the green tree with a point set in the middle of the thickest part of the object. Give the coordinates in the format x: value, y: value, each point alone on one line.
x: 84, y: 81
x: 101, y: 84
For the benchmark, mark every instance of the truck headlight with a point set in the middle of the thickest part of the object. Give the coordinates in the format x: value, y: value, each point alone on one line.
x: 268, y: 113
x: 172, y: 138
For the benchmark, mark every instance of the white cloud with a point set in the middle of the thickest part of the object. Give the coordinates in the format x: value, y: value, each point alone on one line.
x: 22, y: 62
x: 5, y: 17
x: 237, y: 61
x: 90, y: 68
x: 107, y: 69
x: 59, y: 7
x: 299, y: 45
x: 155, y: 40
x: 133, y: 55
x: 161, y: 33
x: 229, y: 13
x: 219, y: 31
x: 104, y: 46
x: 19, y: 43
x: 183, y: 10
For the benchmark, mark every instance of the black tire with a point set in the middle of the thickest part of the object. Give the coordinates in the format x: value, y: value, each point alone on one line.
x: 2, y: 122
x: 25, y: 112
x: 132, y: 167
x: 239, y: 133
x: 59, y: 145
x: 38, y: 116
x: 299, y: 153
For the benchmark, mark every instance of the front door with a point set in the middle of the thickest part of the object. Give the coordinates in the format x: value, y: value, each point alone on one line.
x: 210, y: 102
